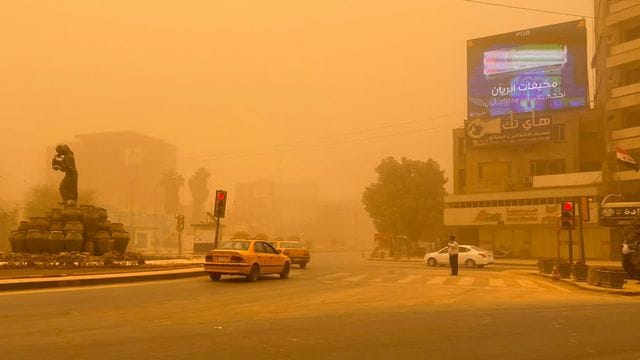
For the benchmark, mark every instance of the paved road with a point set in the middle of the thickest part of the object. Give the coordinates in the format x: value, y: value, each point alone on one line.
x: 341, y: 307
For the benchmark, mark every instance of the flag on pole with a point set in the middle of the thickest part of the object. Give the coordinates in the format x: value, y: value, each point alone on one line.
x: 624, y: 156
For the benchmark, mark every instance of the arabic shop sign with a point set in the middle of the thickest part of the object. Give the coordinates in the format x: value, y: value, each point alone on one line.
x: 508, y: 215
x: 509, y: 130
x: 619, y: 213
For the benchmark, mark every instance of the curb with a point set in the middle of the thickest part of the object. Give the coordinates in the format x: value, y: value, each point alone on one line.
x: 101, y: 279
x: 587, y: 287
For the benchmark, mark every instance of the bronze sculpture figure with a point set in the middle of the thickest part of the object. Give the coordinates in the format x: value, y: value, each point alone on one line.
x: 64, y: 161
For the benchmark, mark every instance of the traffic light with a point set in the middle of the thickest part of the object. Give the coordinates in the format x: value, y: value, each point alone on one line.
x: 179, y: 223
x: 221, y: 203
x: 568, y: 215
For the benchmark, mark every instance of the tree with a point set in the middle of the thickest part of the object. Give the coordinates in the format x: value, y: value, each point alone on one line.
x: 8, y: 222
x: 42, y: 198
x: 198, y: 185
x: 407, y: 198
x: 171, y: 181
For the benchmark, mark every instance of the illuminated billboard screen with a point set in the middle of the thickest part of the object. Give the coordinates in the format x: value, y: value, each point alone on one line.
x: 540, y: 69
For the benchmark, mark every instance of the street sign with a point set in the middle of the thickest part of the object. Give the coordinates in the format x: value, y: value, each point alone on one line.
x: 614, y: 214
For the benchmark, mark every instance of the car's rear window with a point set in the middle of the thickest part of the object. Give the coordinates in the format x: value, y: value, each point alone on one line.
x: 291, y: 245
x: 234, y: 245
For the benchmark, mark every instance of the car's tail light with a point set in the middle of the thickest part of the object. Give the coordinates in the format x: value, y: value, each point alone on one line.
x: 236, y: 259
x: 306, y: 253
x: 482, y: 255
x: 208, y: 258
x: 286, y: 252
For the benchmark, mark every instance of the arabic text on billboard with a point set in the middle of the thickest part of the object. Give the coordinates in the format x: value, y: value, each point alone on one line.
x: 541, y: 69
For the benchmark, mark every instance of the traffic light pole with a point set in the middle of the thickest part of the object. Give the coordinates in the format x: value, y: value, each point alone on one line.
x: 179, y: 243
x: 570, y: 247
x: 581, y: 224
x: 215, y: 244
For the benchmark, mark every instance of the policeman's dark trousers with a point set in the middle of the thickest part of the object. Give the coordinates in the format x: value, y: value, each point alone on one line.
x: 628, y: 266
x: 453, y: 261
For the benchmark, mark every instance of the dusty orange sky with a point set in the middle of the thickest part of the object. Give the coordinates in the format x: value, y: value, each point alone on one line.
x: 217, y: 77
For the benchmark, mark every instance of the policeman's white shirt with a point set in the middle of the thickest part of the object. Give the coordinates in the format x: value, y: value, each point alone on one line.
x: 626, y: 250
x: 453, y: 248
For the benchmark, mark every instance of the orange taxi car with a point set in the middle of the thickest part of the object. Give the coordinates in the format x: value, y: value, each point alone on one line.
x: 294, y: 250
x: 250, y: 258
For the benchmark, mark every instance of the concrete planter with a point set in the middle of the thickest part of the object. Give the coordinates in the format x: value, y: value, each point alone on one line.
x: 545, y: 266
x: 565, y: 270
x: 580, y: 272
x: 593, y: 276
x: 612, y: 278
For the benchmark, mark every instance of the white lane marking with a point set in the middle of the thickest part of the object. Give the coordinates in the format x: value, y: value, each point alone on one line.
x: 527, y: 284
x: 333, y: 276
x: 437, y: 280
x: 355, y: 278
x: 497, y: 282
x: 466, y: 281
x: 408, y: 279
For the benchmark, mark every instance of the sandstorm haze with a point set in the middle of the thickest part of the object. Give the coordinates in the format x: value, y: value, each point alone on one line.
x: 216, y: 78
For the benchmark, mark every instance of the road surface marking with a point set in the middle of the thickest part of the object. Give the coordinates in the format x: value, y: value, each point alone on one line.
x: 381, y: 278
x: 333, y: 276
x: 497, y: 282
x: 466, y: 281
x: 527, y: 283
x: 355, y: 278
x: 437, y: 280
x: 408, y: 279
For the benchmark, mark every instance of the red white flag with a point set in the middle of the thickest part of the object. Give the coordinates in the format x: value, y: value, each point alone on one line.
x: 624, y: 156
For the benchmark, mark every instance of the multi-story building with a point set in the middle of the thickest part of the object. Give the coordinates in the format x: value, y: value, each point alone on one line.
x: 276, y: 209
x: 508, y: 187
x: 617, y: 65
x: 508, y: 196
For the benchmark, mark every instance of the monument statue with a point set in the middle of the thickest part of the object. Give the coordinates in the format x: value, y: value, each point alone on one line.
x: 64, y: 161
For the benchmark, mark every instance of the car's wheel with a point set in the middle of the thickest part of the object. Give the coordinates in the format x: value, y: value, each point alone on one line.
x: 214, y: 276
x: 470, y: 263
x: 254, y: 273
x: 303, y: 265
x: 285, y: 271
x: 432, y: 262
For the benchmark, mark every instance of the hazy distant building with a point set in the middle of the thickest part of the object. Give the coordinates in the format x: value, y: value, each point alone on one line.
x: 617, y: 64
x: 123, y: 168
x: 277, y: 209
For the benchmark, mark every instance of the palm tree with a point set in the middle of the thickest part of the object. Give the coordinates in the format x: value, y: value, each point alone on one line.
x: 171, y: 181
x: 198, y: 185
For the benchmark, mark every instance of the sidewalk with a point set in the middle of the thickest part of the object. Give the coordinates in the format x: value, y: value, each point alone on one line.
x: 630, y: 288
x: 167, y: 269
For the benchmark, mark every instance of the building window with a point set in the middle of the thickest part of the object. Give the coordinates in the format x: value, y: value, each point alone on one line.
x: 632, y: 33
x: 461, y: 147
x: 498, y: 170
x: 462, y: 180
x: 631, y: 117
x: 631, y: 76
x: 557, y: 132
x: 547, y: 167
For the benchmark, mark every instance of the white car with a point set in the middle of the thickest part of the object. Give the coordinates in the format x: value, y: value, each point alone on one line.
x: 468, y: 255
